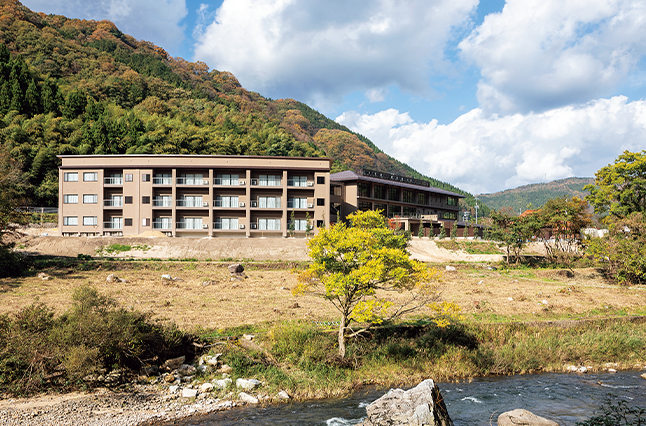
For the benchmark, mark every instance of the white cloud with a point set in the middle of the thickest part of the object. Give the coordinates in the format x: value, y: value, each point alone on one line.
x: 487, y: 154
x: 541, y: 54
x: 320, y: 51
x: 157, y: 21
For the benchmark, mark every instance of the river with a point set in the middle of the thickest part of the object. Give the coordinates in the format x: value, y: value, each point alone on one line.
x: 564, y: 398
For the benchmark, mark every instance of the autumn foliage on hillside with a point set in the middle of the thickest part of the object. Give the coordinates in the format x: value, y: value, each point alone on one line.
x: 71, y: 86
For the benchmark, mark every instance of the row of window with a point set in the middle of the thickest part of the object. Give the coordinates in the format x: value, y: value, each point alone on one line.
x: 408, y: 196
x: 193, y: 201
x: 190, y: 179
x: 186, y: 223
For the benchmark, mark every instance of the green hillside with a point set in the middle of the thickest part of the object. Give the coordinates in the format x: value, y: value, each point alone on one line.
x: 535, y: 195
x: 70, y: 86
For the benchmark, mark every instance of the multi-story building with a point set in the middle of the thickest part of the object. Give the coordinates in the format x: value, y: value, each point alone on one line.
x: 192, y: 195
x: 410, y: 202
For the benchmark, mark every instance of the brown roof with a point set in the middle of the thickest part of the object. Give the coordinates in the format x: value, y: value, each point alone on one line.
x: 349, y: 175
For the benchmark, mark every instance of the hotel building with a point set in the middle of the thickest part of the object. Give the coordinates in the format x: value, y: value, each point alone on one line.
x: 193, y: 195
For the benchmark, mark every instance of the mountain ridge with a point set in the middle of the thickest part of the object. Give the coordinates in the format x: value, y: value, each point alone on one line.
x: 73, y: 86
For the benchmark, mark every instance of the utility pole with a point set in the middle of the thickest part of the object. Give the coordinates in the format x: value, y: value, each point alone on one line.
x: 476, y: 207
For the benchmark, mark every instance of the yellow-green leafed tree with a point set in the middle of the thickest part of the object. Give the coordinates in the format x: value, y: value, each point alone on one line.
x: 357, y: 267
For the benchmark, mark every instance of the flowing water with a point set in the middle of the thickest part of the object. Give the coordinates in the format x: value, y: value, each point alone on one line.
x: 564, y: 398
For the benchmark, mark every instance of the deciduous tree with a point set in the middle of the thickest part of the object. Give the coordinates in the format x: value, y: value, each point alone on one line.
x: 358, y: 267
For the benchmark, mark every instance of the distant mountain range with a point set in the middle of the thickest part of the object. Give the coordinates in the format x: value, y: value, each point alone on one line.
x: 535, y: 195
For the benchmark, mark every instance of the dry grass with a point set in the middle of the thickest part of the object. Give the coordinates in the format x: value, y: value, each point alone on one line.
x: 207, y: 297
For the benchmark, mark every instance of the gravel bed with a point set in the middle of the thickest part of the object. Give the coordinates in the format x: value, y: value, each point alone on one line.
x: 142, y: 405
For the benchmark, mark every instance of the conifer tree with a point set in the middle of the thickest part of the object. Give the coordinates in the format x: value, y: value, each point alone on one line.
x: 5, y: 97
x: 454, y: 230
x: 17, y: 97
x: 32, y: 105
x: 50, y: 98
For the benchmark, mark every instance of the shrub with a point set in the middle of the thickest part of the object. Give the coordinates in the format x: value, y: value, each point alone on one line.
x: 618, y: 414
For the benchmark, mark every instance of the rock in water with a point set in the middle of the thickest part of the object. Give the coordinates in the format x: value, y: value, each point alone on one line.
x: 523, y: 417
x: 422, y: 405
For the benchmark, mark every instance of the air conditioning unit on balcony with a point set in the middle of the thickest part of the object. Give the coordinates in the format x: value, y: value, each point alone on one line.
x: 254, y: 204
x: 241, y: 226
x: 205, y: 181
x: 309, y: 205
x: 254, y: 226
x: 254, y: 181
x: 205, y: 226
x: 241, y: 182
x: 205, y: 203
x: 241, y: 204
x: 310, y: 183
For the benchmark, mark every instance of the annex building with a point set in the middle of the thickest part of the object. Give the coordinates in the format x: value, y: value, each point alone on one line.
x: 234, y: 196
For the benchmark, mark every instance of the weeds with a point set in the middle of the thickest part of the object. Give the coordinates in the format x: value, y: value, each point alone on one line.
x: 617, y: 414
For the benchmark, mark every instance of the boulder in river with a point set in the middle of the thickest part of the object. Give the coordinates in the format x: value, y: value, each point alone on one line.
x: 421, y: 405
x: 523, y: 417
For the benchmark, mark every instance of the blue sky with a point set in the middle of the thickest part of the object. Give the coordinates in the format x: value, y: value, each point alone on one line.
x: 485, y: 95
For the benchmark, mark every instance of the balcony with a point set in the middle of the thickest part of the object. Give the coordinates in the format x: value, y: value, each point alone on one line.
x: 228, y: 204
x: 192, y: 181
x: 158, y: 224
x: 162, y: 202
x: 192, y: 204
x: 228, y: 182
x: 113, y: 181
x: 116, y: 202
x: 192, y: 225
x: 162, y: 181
x: 266, y: 183
x: 113, y: 225
x: 299, y: 183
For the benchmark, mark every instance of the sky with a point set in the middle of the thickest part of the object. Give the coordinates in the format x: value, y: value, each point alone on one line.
x: 485, y: 95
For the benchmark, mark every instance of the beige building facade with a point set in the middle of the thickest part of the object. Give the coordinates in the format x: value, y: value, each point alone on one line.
x: 193, y: 195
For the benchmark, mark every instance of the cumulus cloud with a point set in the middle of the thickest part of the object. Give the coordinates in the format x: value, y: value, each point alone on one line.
x: 320, y: 51
x: 486, y: 154
x: 158, y: 21
x: 541, y: 54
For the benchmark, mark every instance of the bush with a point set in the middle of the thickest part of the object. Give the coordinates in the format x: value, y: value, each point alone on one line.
x: 12, y: 264
x: 39, y: 350
x: 618, y: 414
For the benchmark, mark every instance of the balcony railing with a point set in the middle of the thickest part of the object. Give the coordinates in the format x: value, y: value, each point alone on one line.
x: 162, y: 225
x: 191, y: 225
x: 298, y: 205
x: 222, y: 203
x: 162, y: 181
x: 228, y: 182
x: 300, y: 183
x: 112, y: 225
x: 192, y: 181
x: 189, y: 203
x: 113, y: 203
x: 160, y: 202
x: 113, y: 181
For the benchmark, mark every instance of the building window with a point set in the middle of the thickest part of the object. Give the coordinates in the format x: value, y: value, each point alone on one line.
x: 145, y: 222
x: 227, y: 179
x: 163, y: 223
x: 70, y: 199
x: 410, y: 211
x: 297, y: 203
x: 269, y: 180
x: 449, y: 215
x: 128, y: 177
x: 364, y: 206
x: 451, y: 201
x: 380, y: 192
x: 226, y: 223
x: 226, y: 201
x: 145, y: 177
x: 145, y: 199
x: 162, y: 179
x: 298, y: 225
x: 90, y: 177
x: 320, y: 201
x: 336, y: 190
x: 128, y: 199
x: 394, y: 210
x: 382, y: 207
x: 269, y: 202
x: 90, y: 199
x: 319, y: 224
x: 89, y: 221
x: 393, y: 194
x: 269, y: 224
x: 320, y: 180
x: 363, y: 189
x: 297, y: 181
x: 71, y: 177
x: 127, y: 221
x: 70, y: 220
x: 408, y: 196
x: 421, y: 198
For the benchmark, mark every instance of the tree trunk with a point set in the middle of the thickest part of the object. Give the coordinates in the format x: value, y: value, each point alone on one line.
x: 342, y: 337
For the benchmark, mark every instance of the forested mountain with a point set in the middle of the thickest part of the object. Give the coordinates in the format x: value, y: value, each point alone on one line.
x: 535, y: 195
x: 70, y: 86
